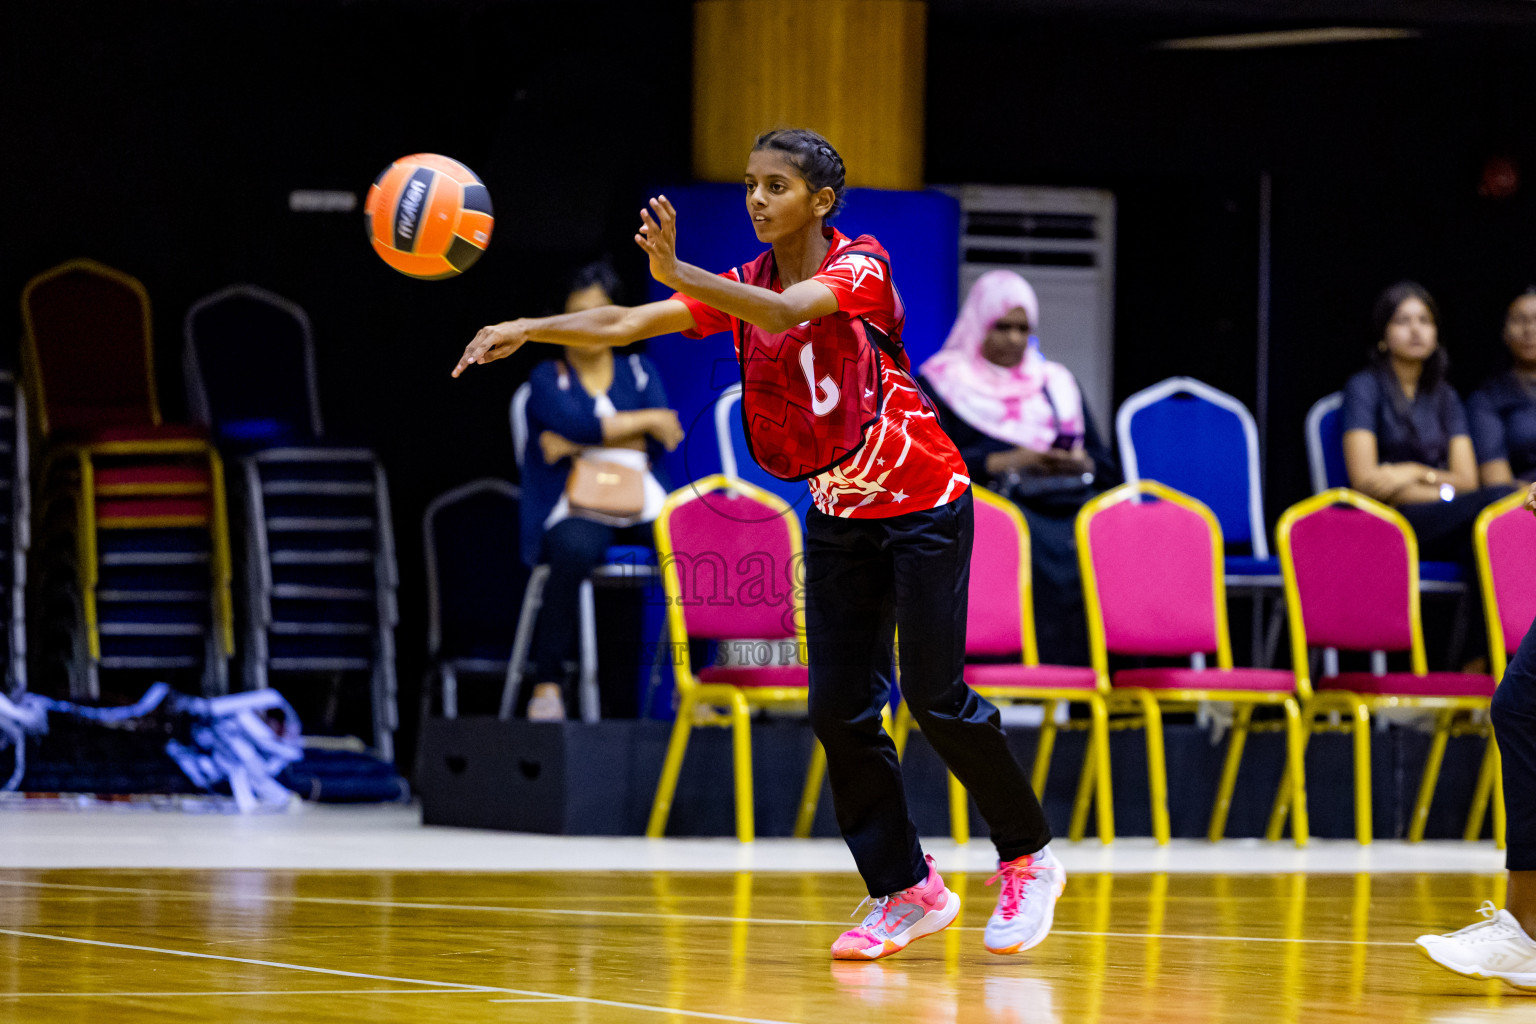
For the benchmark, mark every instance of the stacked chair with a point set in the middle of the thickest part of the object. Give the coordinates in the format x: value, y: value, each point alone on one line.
x: 133, y: 562
x: 318, y: 561
x: 16, y: 526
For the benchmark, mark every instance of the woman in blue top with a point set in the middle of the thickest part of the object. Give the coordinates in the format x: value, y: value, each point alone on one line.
x: 586, y: 399
x: 1405, y: 433
x: 1503, y: 411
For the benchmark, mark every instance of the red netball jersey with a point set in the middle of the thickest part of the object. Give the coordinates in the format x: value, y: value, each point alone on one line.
x: 900, y: 459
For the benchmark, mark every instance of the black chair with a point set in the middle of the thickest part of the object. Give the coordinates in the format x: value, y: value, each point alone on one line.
x: 475, y: 584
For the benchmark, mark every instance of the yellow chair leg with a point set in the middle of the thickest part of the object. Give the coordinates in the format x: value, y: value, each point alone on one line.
x: 1242, y: 714
x: 1361, y: 729
x: 1157, y: 767
x: 1296, y: 772
x: 1043, y: 749
x: 666, y: 788
x: 959, y: 811
x: 1094, y: 786
x: 1498, y: 796
x: 1482, y: 795
x: 815, y: 773
x: 1285, y: 796
x: 1085, y: 791
x: 1104, y: 795
x: 741, y: 750
x: 1431, y: 775
x: 900, y: 729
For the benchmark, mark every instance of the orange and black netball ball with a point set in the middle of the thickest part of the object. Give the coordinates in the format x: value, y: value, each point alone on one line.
x: 428, y: 216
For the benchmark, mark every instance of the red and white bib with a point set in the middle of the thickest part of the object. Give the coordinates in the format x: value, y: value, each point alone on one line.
x: 832, y: 400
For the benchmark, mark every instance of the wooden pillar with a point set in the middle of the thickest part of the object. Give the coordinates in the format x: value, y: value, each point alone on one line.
x: 849, y: 69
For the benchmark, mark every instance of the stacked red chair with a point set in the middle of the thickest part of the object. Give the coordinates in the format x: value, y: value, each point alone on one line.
x: 133, y: 542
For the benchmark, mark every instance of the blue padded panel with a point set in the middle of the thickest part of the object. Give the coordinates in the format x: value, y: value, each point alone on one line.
x: 1442, y: 572
x: 1198, y: 448
x: 620, y: 554
x: 1247, y: 565
x: 1331, y: 434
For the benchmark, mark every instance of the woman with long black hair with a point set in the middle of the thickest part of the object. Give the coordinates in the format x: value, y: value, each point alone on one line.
x: 828, y: 397
x: 1406, y: 439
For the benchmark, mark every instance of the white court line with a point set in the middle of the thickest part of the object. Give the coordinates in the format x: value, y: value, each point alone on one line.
x: 707, y: 918
x: 275, y: 992
x: 446, y: 986
x: 530, y: 1000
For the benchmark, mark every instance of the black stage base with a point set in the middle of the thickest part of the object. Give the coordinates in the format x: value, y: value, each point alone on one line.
x: 571, y: 778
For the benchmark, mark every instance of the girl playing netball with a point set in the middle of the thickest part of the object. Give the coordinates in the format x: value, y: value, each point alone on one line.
x: 828, y: 397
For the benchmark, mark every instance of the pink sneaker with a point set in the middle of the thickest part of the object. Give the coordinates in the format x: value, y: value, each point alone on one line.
x: 897, y: 919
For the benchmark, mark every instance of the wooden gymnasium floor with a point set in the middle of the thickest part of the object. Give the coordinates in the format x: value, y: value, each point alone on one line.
x: 1139, y: 936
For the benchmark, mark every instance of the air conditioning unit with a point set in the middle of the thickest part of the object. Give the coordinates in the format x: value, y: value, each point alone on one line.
x: 1062, y: 240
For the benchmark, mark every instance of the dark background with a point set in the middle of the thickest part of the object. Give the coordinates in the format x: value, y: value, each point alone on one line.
x: 163, y: 137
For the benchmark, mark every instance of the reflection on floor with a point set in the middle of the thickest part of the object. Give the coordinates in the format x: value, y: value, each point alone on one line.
x: 432, y: 947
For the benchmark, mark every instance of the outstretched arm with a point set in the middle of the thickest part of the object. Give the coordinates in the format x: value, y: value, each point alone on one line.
x: 772, y: 311
x: 602, y: 327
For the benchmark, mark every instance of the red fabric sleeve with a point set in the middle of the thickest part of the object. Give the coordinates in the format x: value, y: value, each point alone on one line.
x: 707, y: 319
x: 861, y: 283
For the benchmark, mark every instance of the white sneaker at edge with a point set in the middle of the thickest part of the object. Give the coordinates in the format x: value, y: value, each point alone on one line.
x: 1495, y: 947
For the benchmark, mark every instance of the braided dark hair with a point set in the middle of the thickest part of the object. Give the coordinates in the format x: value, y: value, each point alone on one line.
x: 811, y: 155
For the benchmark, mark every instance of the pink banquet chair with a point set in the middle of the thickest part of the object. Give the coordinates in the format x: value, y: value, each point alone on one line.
x: 1351, y: 569
x: 732, y: 568
x: 1505, y: 542
x: 1153, y: 585
x: 1000, y: 627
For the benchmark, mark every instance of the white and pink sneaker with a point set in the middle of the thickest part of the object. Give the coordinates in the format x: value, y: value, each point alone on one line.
x: 1026, y: 904
x: 897, y: 919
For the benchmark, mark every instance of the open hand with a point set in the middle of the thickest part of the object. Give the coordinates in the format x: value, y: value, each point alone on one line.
x: 658, y: 237
x: 494, y: 342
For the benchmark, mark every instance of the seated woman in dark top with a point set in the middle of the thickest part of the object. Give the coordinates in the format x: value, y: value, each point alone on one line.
x: 1023, y: 430
x: 1503, y: 411
x: 1405, y: 433
x: 613, y: 407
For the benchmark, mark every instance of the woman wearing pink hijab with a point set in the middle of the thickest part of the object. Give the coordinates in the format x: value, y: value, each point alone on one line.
x: 1023, y: 430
